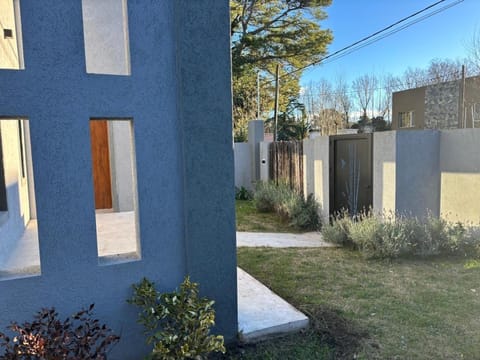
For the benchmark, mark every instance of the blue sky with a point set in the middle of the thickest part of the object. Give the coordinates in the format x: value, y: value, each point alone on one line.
x: 444, y: 35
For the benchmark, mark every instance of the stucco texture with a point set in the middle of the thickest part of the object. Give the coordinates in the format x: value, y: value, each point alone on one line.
x: 179, y: 99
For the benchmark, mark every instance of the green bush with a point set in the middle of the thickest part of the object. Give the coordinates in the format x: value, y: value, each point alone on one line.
x: 378, y: 239
x: 265, y: 197
x: 177, y: 323
x: 301, y: 213
x: 338, y: 232
x: 78, y: 337
x: 383, y: 237
x: 305, y: 214
x: 242, y: 193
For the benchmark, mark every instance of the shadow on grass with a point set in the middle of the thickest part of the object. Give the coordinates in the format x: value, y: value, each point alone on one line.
x: 329, y: 337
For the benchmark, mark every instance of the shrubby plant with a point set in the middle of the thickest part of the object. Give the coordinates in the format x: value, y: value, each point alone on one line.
x: 339, y: 231
x: 379, y: 236
x: 78, y: 337
x: 242, y: 193
x: 177, y: 323
x: 289, y: 204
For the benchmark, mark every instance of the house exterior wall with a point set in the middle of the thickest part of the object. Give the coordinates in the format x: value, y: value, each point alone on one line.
x: 409, y: 100
x: 179, y: 97
x: 472, y: 101
x: 441, y: 105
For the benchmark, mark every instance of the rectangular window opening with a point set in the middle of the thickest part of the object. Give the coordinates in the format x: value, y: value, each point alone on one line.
x: 115, y: 190
x: 105, y: 29
x: 405, y: 119
x: 11, y: 46
x: 19, y: 243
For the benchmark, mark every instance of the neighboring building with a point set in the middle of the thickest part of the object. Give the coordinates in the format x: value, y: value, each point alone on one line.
x: 448, y: 105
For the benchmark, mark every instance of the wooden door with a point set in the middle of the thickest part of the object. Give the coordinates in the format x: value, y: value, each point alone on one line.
x: 101, y: 164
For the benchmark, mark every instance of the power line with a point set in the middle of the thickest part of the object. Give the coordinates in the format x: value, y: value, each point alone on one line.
x: 391, y: 32
x: 374, y: 37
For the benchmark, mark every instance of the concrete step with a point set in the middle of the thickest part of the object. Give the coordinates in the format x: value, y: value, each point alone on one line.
x: 262, y: 313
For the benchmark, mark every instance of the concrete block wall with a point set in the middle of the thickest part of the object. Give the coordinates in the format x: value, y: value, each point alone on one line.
x: 247, y: 156
x: 180, y: 76
x: 406, y: 173
x: 430, y: 171
x: 415, y: 173
x: 316, y: 171
x: 460, y: 175
x: 384, y: 172
x: 417, y: 186
x: 243, y: 165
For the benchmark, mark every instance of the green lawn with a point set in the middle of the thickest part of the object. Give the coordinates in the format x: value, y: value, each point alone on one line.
x: 248, y: 219
x: 402, y: 309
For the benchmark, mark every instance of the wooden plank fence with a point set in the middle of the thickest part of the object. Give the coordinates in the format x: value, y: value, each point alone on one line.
x: 286, y: 163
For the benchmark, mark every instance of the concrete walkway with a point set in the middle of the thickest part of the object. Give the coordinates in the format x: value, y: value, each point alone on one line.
x: 261, y: 312
x: 281, y: 240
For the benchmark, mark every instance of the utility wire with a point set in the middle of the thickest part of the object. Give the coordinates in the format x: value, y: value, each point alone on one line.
x: 391, y: 32
x: 374, y: 37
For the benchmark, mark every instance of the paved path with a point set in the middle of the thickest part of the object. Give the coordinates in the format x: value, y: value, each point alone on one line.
x: 255, y: 239
x: 261, y: 312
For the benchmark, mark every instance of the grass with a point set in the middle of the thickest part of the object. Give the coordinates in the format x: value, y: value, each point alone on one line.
x: 398, y: 309
x: 249, y: 219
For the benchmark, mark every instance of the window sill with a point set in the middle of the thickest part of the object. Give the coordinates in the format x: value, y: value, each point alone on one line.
x: 118, y: 259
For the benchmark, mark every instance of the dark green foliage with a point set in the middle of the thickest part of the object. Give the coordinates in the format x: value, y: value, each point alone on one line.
x: 176, y: 323
x: 381, y: 237
x: 243, y: 193
x: 290, y: 205
x: 292, y: 124
x: 78, y: 337
x: 305, y: 214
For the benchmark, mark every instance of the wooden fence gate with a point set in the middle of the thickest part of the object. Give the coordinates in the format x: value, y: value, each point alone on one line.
x: 286, y: 163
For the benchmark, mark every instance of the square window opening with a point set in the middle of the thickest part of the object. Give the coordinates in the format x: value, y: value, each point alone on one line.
x: 405, y: 119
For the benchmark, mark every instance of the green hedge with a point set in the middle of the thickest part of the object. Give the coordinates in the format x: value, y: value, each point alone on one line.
x: 383, y: 237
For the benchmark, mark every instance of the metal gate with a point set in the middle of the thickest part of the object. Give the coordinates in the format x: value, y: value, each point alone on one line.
x: 351, y: 173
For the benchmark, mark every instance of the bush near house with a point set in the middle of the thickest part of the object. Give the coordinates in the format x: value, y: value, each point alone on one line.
x: 78, y: 337
x: 176, y: 323
x: 384, y: 237
x: 242, y: 193
x: 289, y: 204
